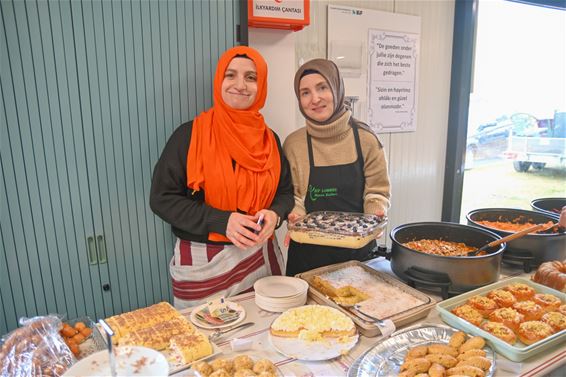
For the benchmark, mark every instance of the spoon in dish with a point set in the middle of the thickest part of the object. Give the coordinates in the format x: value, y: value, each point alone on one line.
x: 514, y: 236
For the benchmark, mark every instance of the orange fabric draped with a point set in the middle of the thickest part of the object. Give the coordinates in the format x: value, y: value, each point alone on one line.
x: 222, y: 135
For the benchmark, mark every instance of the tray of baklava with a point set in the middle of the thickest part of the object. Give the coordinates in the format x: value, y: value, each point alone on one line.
x: 363, y: 293
x: 162, y: 328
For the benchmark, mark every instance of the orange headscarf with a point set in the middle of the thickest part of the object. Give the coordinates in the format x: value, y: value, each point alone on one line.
x: 222, y: 135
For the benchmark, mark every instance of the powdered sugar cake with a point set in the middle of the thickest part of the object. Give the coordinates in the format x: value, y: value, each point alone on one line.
x: 354, y: 285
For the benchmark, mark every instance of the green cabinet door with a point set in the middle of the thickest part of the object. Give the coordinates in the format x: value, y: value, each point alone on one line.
x: 90, y: 92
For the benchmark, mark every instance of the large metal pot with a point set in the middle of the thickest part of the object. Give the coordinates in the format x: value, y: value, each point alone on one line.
x: 530, y: 250
x: 549, y: 206
x: 453, y: 274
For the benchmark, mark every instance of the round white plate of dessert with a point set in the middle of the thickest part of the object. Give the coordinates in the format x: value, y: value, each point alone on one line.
x: 313, y: 333
x: 201, y: 317
x: 130, y: 361
x: 318, y: 350
x: 280, y: 286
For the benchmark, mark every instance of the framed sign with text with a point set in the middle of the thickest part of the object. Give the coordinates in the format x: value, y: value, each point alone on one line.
x: 279, y: 14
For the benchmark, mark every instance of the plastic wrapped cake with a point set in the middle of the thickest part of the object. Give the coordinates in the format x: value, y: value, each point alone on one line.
x: 340, y: 229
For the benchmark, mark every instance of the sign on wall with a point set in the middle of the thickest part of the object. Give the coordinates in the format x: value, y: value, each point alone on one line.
x: 378, y: 55
x: 392, y: 67
x: 279, y: 14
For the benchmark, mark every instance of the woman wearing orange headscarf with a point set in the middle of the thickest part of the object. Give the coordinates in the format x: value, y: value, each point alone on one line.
x: 223, y: 184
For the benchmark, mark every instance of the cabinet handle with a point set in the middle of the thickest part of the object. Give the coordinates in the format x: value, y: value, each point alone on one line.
x: 102, y: 256
x: 92, y: 259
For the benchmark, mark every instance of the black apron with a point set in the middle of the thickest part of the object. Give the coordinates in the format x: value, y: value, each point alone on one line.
x: 331, y: 188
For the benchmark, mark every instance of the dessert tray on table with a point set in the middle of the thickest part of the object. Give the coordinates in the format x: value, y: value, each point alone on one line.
x: 387, y: 355
x: 517, y: 351
x: 340, y: 229
x: 356, y: 273
x: 313, y: 333
x: 158, y: 324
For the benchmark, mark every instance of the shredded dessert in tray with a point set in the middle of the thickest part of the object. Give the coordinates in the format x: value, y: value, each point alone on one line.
x: 354, y: 285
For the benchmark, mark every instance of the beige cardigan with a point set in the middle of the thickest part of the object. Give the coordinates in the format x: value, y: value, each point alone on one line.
x: 333, y: 144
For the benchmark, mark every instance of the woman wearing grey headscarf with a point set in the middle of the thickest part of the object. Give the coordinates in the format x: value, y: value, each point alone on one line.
x: 337, y: 164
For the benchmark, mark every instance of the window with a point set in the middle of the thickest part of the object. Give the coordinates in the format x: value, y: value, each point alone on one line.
x: 514, y: 118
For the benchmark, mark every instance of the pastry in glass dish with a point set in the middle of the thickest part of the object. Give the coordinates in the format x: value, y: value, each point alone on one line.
x: 508, y: 316
x: 503, y: 298
x: 556, y: 320
x: 468, y: 313
x: 482, y: 304
x: 529, y: 309
x: 520, y: 291
x: 533, y: 331
x: 549, y: 303
x: 500, y: 331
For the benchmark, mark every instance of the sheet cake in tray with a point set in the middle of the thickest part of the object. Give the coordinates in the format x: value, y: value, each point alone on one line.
x: 378, y: 294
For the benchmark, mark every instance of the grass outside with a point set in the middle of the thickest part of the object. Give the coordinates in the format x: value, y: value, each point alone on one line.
x: 500, y: 186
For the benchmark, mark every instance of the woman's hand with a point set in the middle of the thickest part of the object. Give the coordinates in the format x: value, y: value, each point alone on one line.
x: 238, y: 230
x: 291, y: 219
x: 269, y: 224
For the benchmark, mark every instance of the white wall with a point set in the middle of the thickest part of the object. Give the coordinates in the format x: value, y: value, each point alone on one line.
x: 278, y: 49
x: 416, y: 159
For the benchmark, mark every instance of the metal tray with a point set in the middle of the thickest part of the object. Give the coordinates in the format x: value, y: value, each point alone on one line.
x: 516, y: 352
x: 387, y: 355
x: 365, y: 327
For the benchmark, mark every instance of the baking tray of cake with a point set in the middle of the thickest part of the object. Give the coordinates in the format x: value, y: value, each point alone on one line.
x: 165, y: 320
x: 340, y: 229
x: 423, y: 302
x: 517, y: 351
x: 175, y: 365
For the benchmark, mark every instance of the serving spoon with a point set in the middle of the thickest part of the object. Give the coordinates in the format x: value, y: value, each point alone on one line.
x: 385, y: 326
x: 514, y: 236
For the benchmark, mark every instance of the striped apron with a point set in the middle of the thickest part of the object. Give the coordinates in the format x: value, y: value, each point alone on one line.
x: 202, y: 271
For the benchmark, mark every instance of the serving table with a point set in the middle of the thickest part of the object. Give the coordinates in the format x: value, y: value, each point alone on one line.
x: 551, y: 362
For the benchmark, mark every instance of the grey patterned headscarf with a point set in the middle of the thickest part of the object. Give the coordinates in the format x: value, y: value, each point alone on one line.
x: 330, y: 72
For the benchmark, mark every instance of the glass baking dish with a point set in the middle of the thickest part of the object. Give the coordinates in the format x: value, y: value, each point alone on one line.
x: 517, y: 351
x: 340, y: 229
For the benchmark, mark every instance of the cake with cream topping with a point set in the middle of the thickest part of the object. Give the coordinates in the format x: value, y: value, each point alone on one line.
x: 313, y: 323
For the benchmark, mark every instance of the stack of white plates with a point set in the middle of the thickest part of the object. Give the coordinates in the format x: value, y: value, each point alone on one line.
x: 279, y: 293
